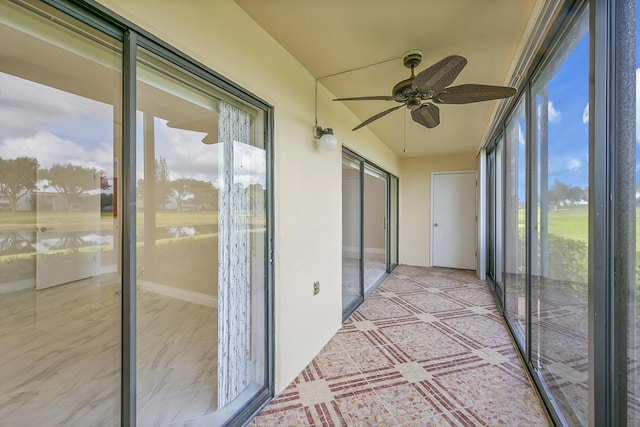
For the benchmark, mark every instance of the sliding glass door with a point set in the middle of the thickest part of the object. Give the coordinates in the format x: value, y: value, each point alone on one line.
x: 352, y: 294
x: 134, y: 217
x: 369, y: 228
x: 515, y: 201
x: 375, y: 226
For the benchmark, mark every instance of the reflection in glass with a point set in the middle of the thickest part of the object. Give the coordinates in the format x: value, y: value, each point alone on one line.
x: 351, y: 232
x: 201, y: 180
x: 375, y: 229
x: 560, y: 229
x: 59, y: 288
x: 514, y: 222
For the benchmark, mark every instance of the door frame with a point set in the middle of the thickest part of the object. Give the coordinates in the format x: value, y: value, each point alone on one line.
x: 363, y: 162
x: 431, y: 207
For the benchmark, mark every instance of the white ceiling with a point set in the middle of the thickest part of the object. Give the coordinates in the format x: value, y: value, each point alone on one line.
x: 334, y: 36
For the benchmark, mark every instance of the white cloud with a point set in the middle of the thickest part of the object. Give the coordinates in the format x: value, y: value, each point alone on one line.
x: 585, y: 114
x: 554, y: 115
x: 26, y: 105
x: 559, y: 165
x: 573, y: 164
x: 50, y: 149
x: 188, y: 157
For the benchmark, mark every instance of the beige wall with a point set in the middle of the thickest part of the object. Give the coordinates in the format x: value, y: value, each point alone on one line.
x: 307, y: 181
x: 415, y: 203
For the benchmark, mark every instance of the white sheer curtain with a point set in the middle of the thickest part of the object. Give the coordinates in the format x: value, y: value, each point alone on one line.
x: 234, y: 280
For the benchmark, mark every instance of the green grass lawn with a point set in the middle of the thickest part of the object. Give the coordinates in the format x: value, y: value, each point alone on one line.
x: 572, y: 222
x: 80, y: 221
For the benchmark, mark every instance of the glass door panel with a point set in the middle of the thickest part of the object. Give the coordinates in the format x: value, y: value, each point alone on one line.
x: 352, y: 293
x: 560, y: 226
x: 514, y: 223
x: 201, y: 258
x: 375, y: 226
x: 60, y: 292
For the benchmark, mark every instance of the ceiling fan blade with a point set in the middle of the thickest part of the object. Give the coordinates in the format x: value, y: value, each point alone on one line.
x: 439, y: 75
x: 377, y: 116
x: 465, y: 94
x: 427, y: 115
x: 367, y: 98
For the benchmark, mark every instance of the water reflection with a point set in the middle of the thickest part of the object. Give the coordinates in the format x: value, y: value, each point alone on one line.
x: 25, y: 242
x: 181, y: 231
x: 17, y: 242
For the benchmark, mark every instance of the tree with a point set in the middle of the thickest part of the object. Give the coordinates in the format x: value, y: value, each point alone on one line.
x: 182, y: 189
x: 163, y: 185
x: 71, y: 181
x: 202, y: 192
x: 559, y: 193
x: 17, y: 177
x: 577, y: 194
x: 562, y: 193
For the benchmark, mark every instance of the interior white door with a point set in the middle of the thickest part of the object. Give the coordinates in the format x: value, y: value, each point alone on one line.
x: 66, y: 247
x: 453, y: 220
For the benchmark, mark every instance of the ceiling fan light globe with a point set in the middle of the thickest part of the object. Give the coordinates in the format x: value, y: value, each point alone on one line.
x: 413, y: 103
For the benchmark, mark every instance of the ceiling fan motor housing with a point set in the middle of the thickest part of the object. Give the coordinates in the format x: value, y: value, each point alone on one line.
x: 402, y: 90
x: 412, y: 58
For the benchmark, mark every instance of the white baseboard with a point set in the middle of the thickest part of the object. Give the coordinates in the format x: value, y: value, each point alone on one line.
x: 20, y: 285
x: 177, y: 293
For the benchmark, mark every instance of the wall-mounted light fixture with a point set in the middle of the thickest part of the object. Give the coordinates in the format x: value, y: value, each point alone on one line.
x: 326, y: 138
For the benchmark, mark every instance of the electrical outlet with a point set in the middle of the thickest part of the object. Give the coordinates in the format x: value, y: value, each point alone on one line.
x: 316, y: 288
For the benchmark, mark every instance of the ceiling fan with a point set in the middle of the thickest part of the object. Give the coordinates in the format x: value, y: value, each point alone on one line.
x: 421, y: 92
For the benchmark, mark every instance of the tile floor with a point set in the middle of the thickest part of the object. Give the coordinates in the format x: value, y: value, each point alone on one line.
x: 428, y: 348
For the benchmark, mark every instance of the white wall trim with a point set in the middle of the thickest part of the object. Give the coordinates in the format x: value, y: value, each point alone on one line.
x: 177, y: 293
x: 20, y: 285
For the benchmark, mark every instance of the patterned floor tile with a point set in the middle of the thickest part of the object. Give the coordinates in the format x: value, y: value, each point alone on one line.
x: 428, y: 348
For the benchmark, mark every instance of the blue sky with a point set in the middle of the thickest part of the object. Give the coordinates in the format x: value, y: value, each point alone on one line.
x: 568, y: 91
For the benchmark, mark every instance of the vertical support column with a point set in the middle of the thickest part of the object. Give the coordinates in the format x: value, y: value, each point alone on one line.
x: 600, y: 402
x: 623, y: 145
x: 234, y: 287
x: 128, y: 384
